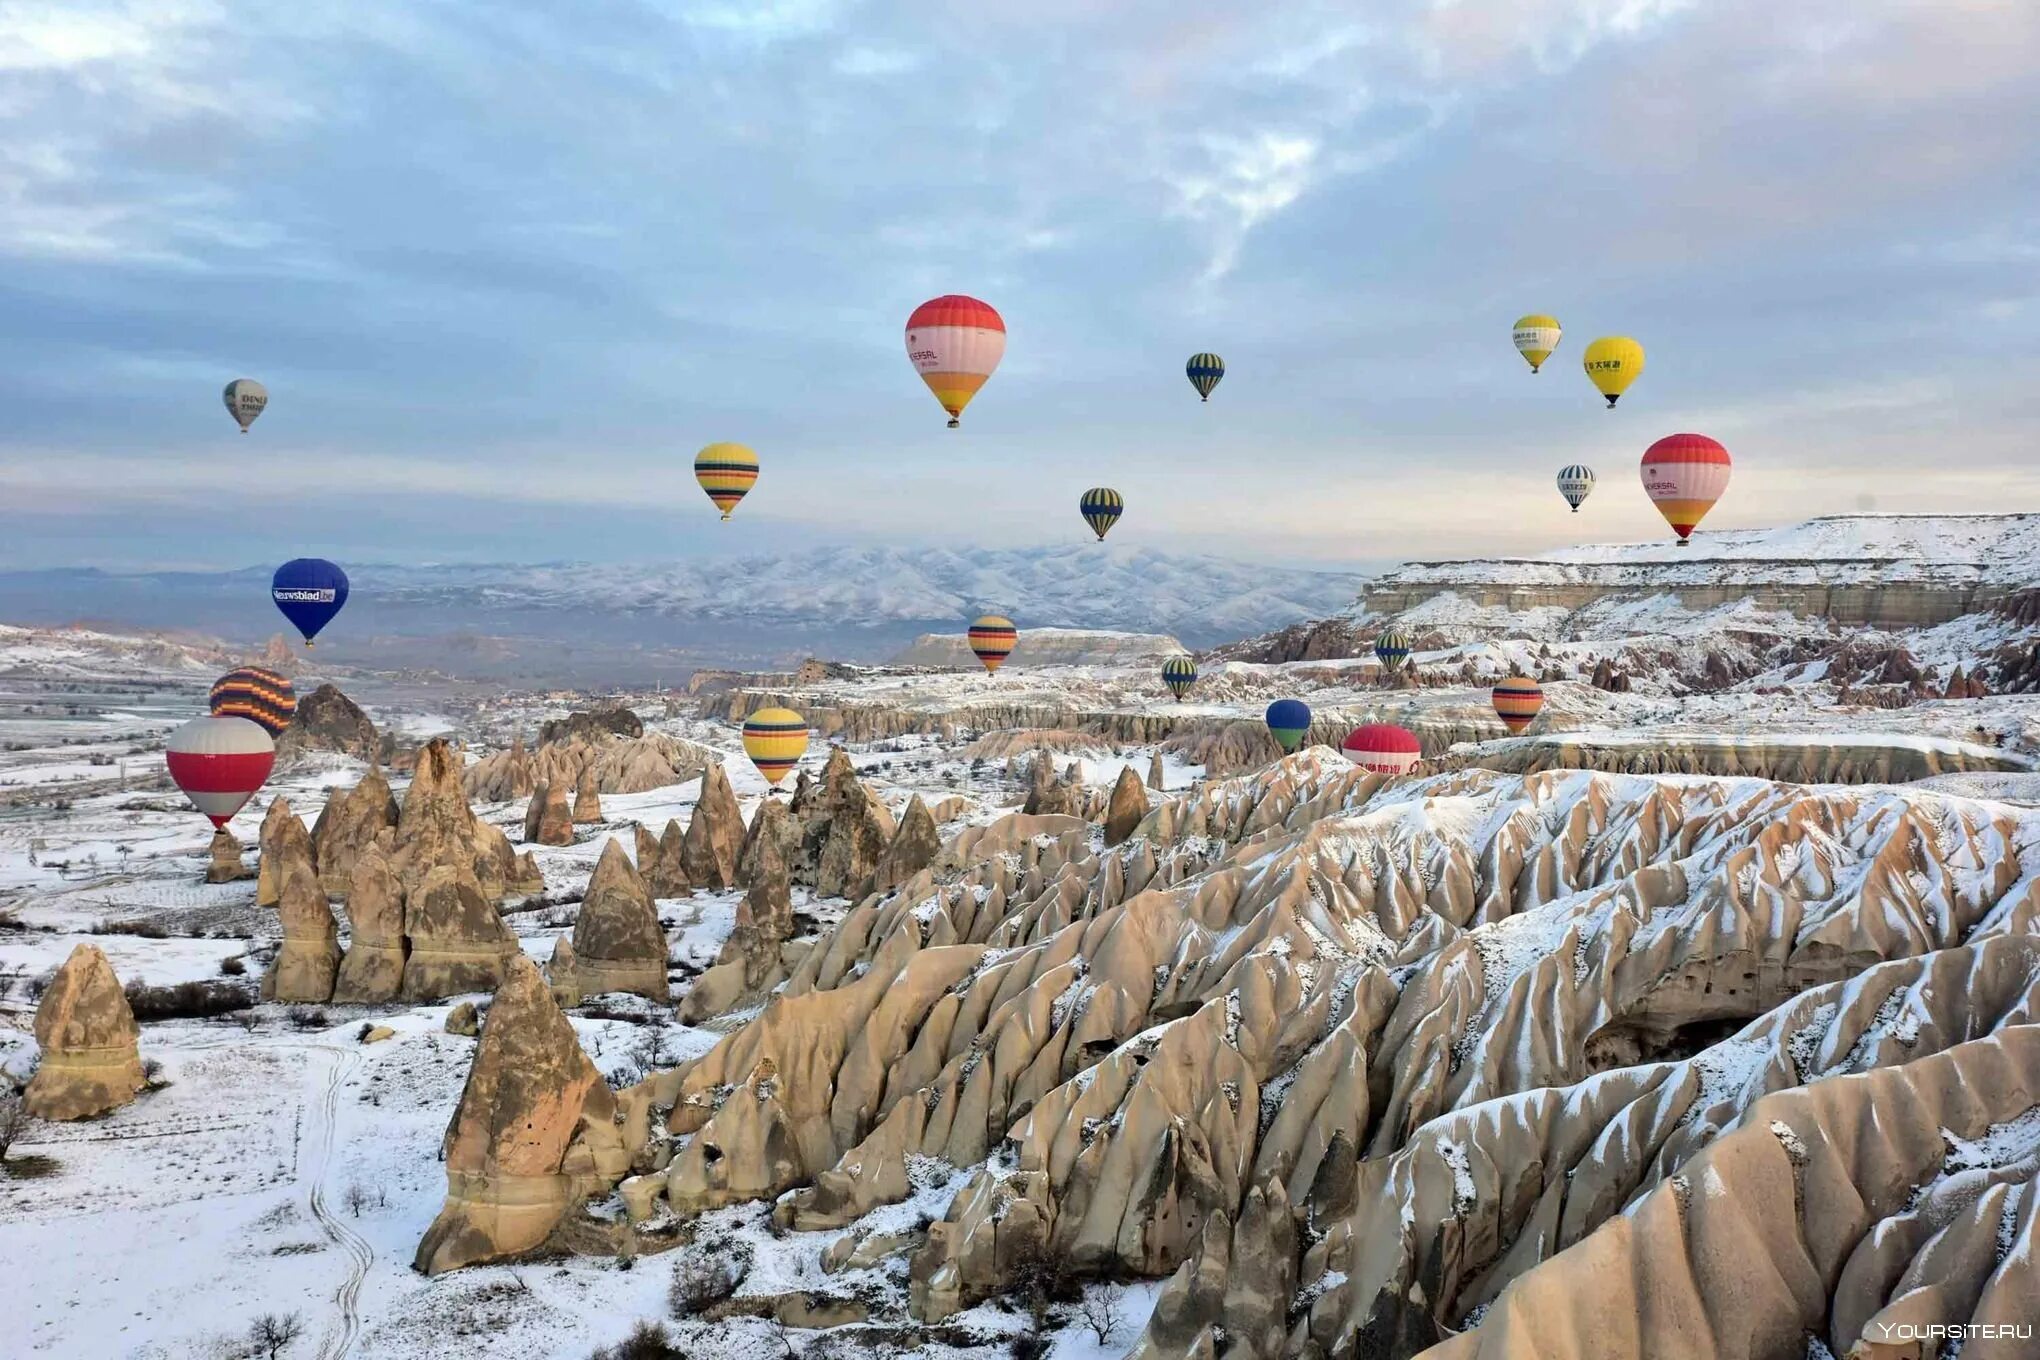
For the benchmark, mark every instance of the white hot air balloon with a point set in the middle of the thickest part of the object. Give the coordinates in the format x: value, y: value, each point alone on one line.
x: 220, y: 763
x: 245, y: 399
x: 1575, y: 483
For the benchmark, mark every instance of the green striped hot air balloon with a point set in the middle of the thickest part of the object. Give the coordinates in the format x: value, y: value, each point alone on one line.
x: 1102, y: 507
x: 1205, y: 370
x: 1179, y: 673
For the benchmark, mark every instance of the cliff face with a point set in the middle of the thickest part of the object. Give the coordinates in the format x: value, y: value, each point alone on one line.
x: 1045, y: 647
x: 1886, y: 605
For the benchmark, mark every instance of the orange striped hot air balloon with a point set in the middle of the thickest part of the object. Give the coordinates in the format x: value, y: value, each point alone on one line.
x: 1517, y: 701
x: 1684, y: 475
x: 992, y: 638
x: 955, y: 342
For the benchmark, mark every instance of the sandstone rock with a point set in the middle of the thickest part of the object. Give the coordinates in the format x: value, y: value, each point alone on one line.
x: 376, y: 1034
x: 225, y: 865
x: 502, y: 775
x: 1048, y: 796
x: 458, y: 942
x: 1157, y: 780
x: 436, y: 827
x: 373, y: 969
x: 1129, y: 804
x: 774, y: 837
x: 912, y: 849
x: 546, y: 818
x: 1233, y: 1294
x: 348, y: 823
x: 91, y: 1060
x: 509, y: 1171
x: 561, y: 973
x: 593, y: 726
x: 750, y: 962
x: 327, y: 720
x: 305, y: 967
x: 618, y: 946
x: 845, y: 832
x: 464, y: 1020
x: 282, y: 834
x: 714, y: 834
x: 587, y: 801
x: 668, y: 875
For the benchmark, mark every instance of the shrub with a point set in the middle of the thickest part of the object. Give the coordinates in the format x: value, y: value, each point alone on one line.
x: 147, y: 930
x: 307, y: 1017
x: 233, y: 966
x: 647, y: 1341
x: 706, y: 1274
x: 186, y: 1000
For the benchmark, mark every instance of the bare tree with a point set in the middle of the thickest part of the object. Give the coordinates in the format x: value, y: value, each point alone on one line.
x: 1099, y: 1308
x: 273, y: 1333
x: 10, y: 1118
x: 356, y: 1199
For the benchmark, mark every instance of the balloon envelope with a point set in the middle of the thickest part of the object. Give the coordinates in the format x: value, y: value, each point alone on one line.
x: 726, y: 472
x: 245, y: 400
x: 1101, y: 507
x: 1575, y: 483
x: 220, y: 763
x: 992, y: 639
x: 1288, y: 720
x: 262, y: 696
x: 1517, y: 701
x: 309, y: 591
x: 1179, y: 673
x: 1684, y: 475
x: 955, y: 343
x: 1536, y: 337
x: 775, y: 739
x: 1383, y: 748
x: 1392, y: 648
x: 1613, y: 362
x: 1205, y: 370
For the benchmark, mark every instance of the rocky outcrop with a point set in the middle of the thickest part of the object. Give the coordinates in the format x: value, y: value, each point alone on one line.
x: 618, y: 946
x: 534, y: 1130
x: 667, y: 876
x: 327, y: 720
x: 1232, y: 1296
x: 1156, y: 779
x: 282, y: 836
x: 372, y: 971
x: 844, y: 833
x: 547, y: 821
x: 616, y: 764
x: 91, y: 1059
x: 1048, y: 795
x: 751, y: 962
x: 562, y: 974
x: 1045, y: 647
x: 1863, y: 758
x: 458, y: 943
x: 1129, y: 805
x: 464, y: 1020
x: 223, y: 863
x: 773, y: 839
x: 348, y: 824
x: 436, y: 828
x: 714, y: 834
x: 594, y: 726
x: 587, y: 801
x: 912, y: 849
x: 309, y: 959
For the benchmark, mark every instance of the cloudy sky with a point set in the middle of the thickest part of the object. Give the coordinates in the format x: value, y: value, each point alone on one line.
x: 504, y: 266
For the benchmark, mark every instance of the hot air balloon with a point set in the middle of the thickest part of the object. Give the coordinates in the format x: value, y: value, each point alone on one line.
x: 1684, y: 475
x: 1288, y: 720
x: 245, y: 399
x: 1383, y: 748
x: 1205, y: 370
x: 775, y: 739
x: 1102, y: 507
x: 1613, y: 362
x: 261, y: 696
x: 1517, y: 701
x: 726, y: 472
x: 1392, y: 649
x: 992, y: 638
x: 220, y: 763
x: 1179, y: 673
x: 309, y: 591
x: 955, y: 343
x: 1575, y: 483
x: 1536, y: 337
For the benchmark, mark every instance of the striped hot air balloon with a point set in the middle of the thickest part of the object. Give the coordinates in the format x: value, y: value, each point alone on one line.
x: 220, y: 763
x: 1102, y: 507
x: 1536, y: 337
x: 955, y: 343
x: 992, y: 638
x: 726, y: 472
x: 1205, y: 370
x: 1179, y: 673
x: 1288, y: 720
x: 1684, y: 475
x: 775, y: 739
x: 1517, y: 701
x: 1575, y: 483
x: 261, y: 696
x: 1392, y: 649
x: 1383, y: 748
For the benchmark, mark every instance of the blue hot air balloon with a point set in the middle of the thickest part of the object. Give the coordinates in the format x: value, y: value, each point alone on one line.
x: 309, y: 591
x: 1288, y: 720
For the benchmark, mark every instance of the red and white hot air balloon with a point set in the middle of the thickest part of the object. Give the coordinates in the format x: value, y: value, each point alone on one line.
x: 220, y: 763
x: 1383, y: 748
x: 1684, y: 475
x: 955, y: 342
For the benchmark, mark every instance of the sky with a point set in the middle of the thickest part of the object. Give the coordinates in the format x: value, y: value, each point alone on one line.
x: 505, y: 266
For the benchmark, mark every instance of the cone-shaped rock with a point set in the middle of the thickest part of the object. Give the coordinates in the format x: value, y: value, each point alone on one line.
x: 668, y: 874
x: 306, y: 965
x: 282, y: 832
x: 847, y: 831
x: 1129, y: 804
x: 91, y: 1062
x: 715, y: 834
x: 327, y: 720
x: 458, y: 942
x: 547, y: 821
x: 1157, y: 780
x: 349, y: 822
x: 436, y: 827
x: 561, y: 971
x: 618, y: 946
x: 912, y: 848
x: 750, y: 962
x: 373, y: 969
x: 225, y: 865
x: 508, y: 1179
x: 773, y: 832
x: 587, y: 799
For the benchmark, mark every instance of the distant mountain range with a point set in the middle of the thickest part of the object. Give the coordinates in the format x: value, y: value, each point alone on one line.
x: 585, y: 621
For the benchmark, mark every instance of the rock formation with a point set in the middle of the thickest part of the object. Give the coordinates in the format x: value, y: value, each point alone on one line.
x: 282, y: 836
x: 1047, y: 795
x: 458, y: 943
x: 309, y: 959
x: 845, y: 831
x: 587, y: 801
x: 464, y: 1020
x: 592, y: 726
x: 668, y: 874
x: 224, y: 859
x: 547, y: 820
x: 1129, y: 804
x: 436, y: 828
x: 91, y: 1059
x: 714, y: 834
x: 513, y: 1159
x: 774, y: 837
x: 616, y: 764
x: 327, y: 720
x: 348, y: 824
x: 1157, y: 780
x: 561, y: 974
x: 912, y: 849
x: 373, y: 969
x: 751, y: 961
x: 618, y: 946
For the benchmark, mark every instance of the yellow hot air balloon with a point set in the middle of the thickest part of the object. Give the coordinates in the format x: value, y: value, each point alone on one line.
x: 1536, y: 337
x: 726, y: 472
x: 775, y: 739
x: 1613, y: 362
